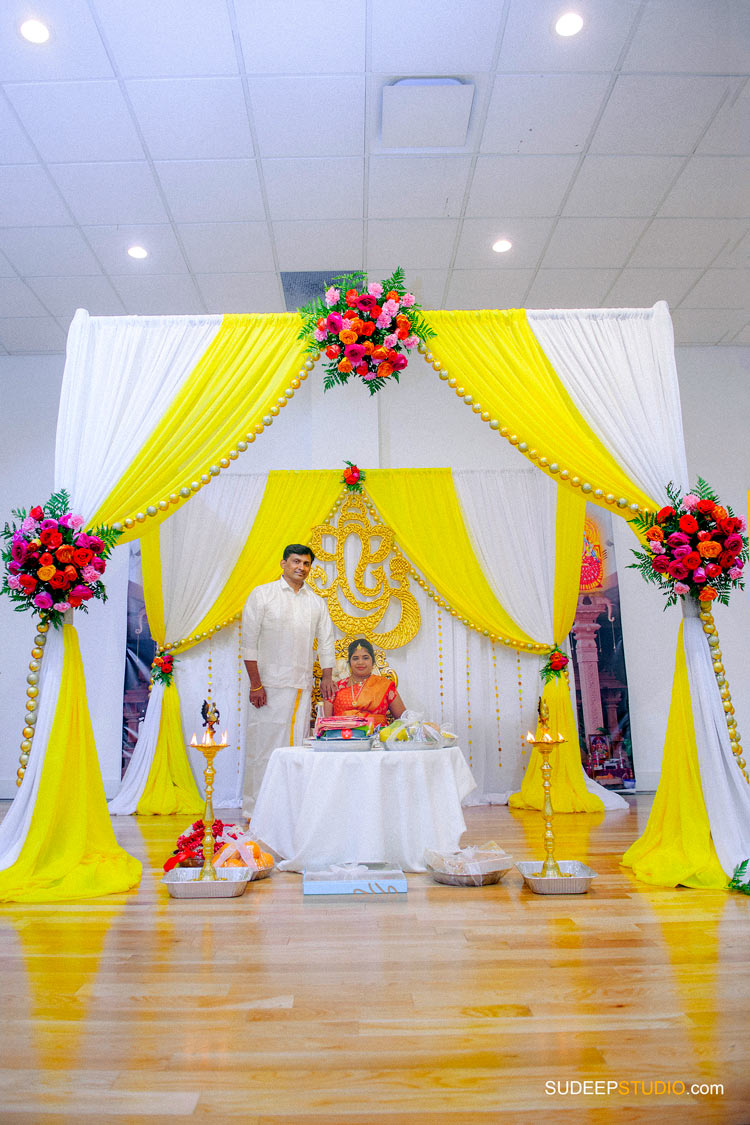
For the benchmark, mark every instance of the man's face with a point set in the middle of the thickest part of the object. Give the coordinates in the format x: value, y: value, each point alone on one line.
x: 296, y: 569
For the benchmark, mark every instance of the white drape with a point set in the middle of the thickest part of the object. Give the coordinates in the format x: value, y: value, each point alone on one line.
x: 200, y: 545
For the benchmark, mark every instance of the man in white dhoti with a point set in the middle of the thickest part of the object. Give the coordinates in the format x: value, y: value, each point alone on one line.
x: 280, y: 621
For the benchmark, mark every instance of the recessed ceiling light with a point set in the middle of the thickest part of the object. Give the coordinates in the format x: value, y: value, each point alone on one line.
x: 35, y: 31
x: 501, y: 246
x: 569, y: 24
x: 137, y: 252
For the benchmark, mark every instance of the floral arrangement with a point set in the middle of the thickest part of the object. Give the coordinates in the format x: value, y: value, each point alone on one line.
x: 555, y: 666
x: 162, y: 668
x: 352, y: 477
x: 694, y: 547
x: 189, y: 850
x: 51, y: 565
x: 364, y: 329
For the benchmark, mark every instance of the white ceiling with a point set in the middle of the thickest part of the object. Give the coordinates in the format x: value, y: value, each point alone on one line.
x: 236, y: 139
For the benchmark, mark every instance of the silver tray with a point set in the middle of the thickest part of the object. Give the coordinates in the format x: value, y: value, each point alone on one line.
x: 341, y: 745
x: 185, y: 882
x: 576, y: 878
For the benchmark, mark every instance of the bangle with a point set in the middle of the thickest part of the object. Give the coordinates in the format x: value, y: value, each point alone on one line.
x: 258, y: 688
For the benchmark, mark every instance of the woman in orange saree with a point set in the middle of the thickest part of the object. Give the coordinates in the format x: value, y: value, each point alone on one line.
x: 363, y: 694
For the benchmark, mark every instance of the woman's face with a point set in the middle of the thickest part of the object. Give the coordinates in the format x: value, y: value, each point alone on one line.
x: 361, y: 662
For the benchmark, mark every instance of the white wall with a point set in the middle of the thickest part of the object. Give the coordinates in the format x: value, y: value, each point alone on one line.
x: 420, y: 424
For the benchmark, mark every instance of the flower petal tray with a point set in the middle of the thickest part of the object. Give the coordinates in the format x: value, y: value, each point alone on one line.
x: 185, y: 882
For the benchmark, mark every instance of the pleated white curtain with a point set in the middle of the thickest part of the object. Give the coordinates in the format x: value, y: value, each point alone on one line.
x: 200, y: 545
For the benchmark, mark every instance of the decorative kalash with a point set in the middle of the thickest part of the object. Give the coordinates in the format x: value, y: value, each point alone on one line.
x: 568, y: 876
x: 209, y: 747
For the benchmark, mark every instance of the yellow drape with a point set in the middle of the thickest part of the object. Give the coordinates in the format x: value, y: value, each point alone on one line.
x: 496, y: 358
x: 70, y: 850
x: 422, y: 508
x: 240, y: 378
x: 676, y: 847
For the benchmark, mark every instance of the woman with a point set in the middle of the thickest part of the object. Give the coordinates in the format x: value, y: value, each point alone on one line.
x: 363, y: 694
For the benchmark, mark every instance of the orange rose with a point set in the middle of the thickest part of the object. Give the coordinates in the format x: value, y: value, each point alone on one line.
x: 392, y: 295
x: 707, y: 594
x: 367, y: 328
x: 369, y: 347
x: 709, y: 549
x: 322, y: 324
x: 403, y: 321
x: 719, y: 513
x: 655, y: 534
x: 355, y: 325
x: 384, y: 370
x: 402, y: 333
x: 380, y: 353
x: 351, y: 296
x: 45, y: 573
x: 64, y: 554
x: 347, y: 337
x: 350, y: 314
x: 71, y: 573
x: 344, y: 366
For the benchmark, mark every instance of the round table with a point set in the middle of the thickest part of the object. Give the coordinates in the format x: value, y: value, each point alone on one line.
x: 318, y: 808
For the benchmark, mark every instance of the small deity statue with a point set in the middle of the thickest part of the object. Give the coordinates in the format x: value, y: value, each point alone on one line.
x: 210, y: 713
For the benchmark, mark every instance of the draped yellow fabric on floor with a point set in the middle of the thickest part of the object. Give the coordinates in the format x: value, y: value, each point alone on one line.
x: 676, y: 847
x: 70, y: 850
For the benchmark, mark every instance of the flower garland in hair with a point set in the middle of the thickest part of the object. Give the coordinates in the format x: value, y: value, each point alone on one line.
x: 364, y: 329
x: 695, y: 547
x: 555, y: 666
x: 51, y: 565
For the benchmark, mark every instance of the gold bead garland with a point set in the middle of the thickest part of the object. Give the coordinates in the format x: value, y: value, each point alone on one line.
x: 552, y: 468
x: 497, y: 708
x: 240, y: 446
x: 712, y: 635
x: 32, y: 694
x: 440, y: 662
x: 210, y: 672
x: 468, y: 700
x: 524, y: 743
x: 195, y: 638
x: 239, y: 683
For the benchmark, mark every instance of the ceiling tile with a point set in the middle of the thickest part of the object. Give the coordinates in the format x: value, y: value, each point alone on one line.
x: 241, y: 292
x: 569, y: 289
x: 319, y: 245
x: 527, y: 235
x: 592, y: 242
x: 676, y: 107
x: 729, y: 132
x: 158, y: 294
x: 742, y: 339
x: 314, y: 187
x: 227, y: 247
x: 74, y: 50
x: 530, y: 41
x: 427, y: 286
x: 16, y: 299
x: 417, y: 187
x: 283, y: 122
x: 720, y: 289
x: 110, y: 193
x: 702, y: 36
x: 425, y: 114
x: 63, y: 295
x: 520, y: 185
x: 292, y: 32
x: 488, y: 289
x: 172, y: 37
x: 702, y: 326
x: 219, y: 191
x: 110, y: 244
x: 543, y: 113
x: 190, y: 118
x: 711, y: 186
x: 77, y: 121
x: 428, y: 36
x: 685, y: 242
x: 422, y: 243
x: 40, y: 251
x: 621, y: 185
x: 642, y: 288
x: 31, y: 334
x: 15, y: 147
x: 6, y: 269
x: 27, y: 198
x: 736, y: 255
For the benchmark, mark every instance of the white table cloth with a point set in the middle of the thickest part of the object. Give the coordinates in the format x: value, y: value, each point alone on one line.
x: 318, y: 808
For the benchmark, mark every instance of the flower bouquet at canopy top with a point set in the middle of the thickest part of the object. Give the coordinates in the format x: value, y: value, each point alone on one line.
x: 51, y: 565
x: 695, y: 547
x: 364, y: 329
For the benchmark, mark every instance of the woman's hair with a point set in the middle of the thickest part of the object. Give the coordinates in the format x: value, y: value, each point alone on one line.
x: 360, y: 642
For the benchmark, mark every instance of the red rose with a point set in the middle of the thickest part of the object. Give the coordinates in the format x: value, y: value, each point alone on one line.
x: 59, y: 581
x: 367, y: 328
x: 51, y: 538
x: 664, y: 514
x: 729, y: 525
x: 82, y: 556
x: 692, y: 560
x: 363, y: 369
x: 28, y: 583
x: 703, y: 536
x: 37, y: 513
x: 706, y: 507
x: 375, y: 312
x: 333, y: 350
x: 660, y: 563
x: 348, y: 478
x: 350, y: 314
x: 733, y: 543
x: 727, y: 560
x: 73, y: 602
x: 712, y: 570
x: 45, y: 559
x: 351, y: 296
x: 677, y: 569
x: 688, y: 523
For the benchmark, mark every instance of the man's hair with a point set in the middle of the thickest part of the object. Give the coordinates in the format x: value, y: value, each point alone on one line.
x: 298, y: 549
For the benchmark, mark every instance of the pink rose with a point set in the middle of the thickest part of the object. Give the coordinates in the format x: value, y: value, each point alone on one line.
x: 46, y: 524
x: 411, y: 341
x: 88, y: 574
x: 733, y: 543
x: 734, y: 574
x: 677, y: 570
x: 66, y: 520
x: 677, y: 539
x: 81, y: 592
x: 657, y: 548
x: 712, y: 570
x: 384, y: 320
x: 82, y: 541
x: 43, y: 601
x: 29, y: 525
x: 390, y: 341
x: 375, y: 289
x: 18, y: 551
x: 14, y: 582
x: 95, y: 543
x: 372, y: 374
x: 332, y: 296
x: 680, y: 552
x: 699, y: 574
x: 14, y: 568
x: 681, y: 589
x: 399, y: 362
x: 366, y: 303
x: 354, y: 352
x: 98, y: 565
x: 408, y: 300
x: 319, y: 336
x: 62, y: 607
x: 334, y: 323
x: 742, y: 523
x: 660, y: 564
x: 76, y: 521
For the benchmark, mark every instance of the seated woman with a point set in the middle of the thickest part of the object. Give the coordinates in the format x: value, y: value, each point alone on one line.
x: 363, y: 694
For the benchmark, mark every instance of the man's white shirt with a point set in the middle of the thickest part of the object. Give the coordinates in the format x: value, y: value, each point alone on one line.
x: 279, y: 626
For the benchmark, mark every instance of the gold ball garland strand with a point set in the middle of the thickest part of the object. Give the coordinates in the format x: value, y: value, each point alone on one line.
x: 32, y: 695
x: 239, y: 685
x: 712, y: 635
x: 524, y: 743
x: 552, y: 468
x: 497, y: 708
x: 440, y: 663
x: 468, y: 701
x: 126, y: 523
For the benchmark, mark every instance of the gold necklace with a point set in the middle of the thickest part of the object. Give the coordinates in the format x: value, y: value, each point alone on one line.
x: 356, y: 694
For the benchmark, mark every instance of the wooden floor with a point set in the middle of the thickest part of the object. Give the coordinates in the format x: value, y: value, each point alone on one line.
x: 441, y: 1007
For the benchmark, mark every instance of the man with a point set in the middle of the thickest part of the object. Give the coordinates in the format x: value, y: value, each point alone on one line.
x: 280, y: 620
